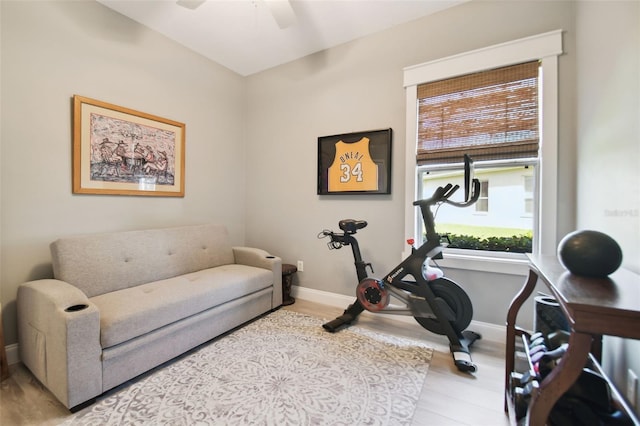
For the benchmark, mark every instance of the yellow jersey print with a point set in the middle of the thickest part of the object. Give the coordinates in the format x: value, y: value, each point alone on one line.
x: 352, y: 168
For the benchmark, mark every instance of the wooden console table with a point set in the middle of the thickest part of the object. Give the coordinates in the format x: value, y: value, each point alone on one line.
x: 593, y: 307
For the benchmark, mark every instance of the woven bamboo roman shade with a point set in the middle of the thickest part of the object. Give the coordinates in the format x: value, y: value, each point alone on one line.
x: 489, y: 115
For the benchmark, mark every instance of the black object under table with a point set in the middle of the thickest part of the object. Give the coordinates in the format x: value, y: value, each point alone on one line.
x: 287, y: 279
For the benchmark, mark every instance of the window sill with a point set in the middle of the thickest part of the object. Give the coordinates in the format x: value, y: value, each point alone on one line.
x: 500, y: 264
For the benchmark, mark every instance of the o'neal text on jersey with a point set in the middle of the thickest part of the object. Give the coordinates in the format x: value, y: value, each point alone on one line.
x: 351, y: 156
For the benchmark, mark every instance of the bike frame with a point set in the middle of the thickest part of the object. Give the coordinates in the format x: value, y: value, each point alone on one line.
x: 412, y: 266
x: 417, y: 294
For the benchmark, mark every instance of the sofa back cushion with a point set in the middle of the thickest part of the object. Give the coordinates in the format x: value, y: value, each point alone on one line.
x: 102, y: 263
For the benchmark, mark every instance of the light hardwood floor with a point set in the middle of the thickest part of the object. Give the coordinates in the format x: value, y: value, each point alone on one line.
x: 448, y: 397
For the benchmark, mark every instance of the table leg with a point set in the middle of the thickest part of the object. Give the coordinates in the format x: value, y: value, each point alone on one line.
x: 512, y: 315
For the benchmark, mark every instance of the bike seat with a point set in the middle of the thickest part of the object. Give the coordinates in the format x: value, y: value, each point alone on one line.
x: 350, y: 226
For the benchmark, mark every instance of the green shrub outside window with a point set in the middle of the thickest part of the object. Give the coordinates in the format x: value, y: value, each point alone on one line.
x: 513, y: 244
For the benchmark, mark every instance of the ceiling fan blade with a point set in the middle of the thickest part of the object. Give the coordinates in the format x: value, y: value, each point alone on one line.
x: 282, y: 12
x: 190, y: 4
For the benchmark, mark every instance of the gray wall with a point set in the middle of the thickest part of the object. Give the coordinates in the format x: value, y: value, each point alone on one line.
x: 608, y: 123
x: 608, y: 151
x: 359, y: 86
x: 53, y: 50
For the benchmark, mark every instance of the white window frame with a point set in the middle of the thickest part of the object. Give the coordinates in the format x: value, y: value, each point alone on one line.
x: 483, y: 183
x: 545, y: 47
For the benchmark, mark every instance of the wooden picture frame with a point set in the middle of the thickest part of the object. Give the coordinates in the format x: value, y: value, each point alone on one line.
x: 355, y: 163
x: 120, y: 151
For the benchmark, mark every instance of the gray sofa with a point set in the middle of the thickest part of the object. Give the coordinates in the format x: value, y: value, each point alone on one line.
x: 122, y: 303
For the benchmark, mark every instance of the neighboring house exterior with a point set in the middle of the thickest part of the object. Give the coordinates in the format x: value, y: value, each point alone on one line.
x: 506, y: 199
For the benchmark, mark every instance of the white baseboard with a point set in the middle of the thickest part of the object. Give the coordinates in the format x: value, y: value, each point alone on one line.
x: 490, y: 332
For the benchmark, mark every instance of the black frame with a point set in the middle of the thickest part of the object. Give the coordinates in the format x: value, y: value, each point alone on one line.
x: 379, y: 151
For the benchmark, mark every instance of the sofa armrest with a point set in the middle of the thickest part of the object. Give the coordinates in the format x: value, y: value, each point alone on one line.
x: 59, y: 339
x: 262, y: 259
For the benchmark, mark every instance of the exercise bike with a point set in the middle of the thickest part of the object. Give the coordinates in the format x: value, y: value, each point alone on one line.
x: 437, y: 303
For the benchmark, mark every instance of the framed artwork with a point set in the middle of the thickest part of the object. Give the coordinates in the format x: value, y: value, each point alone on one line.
x: 355, y: 163
x: 119, y: 151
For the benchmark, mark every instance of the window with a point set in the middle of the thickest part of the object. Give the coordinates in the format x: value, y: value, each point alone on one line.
x: 497, y: 221
x: 536, y: 187
x: 491, y: 115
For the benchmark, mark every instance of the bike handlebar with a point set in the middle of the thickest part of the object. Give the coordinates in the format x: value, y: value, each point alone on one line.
x: 442, y: 195
x: 475, y: 194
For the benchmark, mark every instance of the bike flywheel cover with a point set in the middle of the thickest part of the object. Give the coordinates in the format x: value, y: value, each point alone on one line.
x: 372, y: 295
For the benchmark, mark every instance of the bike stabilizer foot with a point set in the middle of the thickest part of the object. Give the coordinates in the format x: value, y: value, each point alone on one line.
x: 463, y: 362
x: 460, y: 353
x: 334, y: 325
x: 346, y: 318
x: 470, y: 336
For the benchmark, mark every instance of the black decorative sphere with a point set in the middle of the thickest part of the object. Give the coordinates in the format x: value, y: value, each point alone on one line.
x: 589, y: 253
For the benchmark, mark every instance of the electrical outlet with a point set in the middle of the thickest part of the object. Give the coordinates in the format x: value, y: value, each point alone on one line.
x: 632, y: 388
x: 300, y: 266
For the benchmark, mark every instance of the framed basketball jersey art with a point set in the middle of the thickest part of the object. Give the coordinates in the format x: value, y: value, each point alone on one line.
x: 355, y: 163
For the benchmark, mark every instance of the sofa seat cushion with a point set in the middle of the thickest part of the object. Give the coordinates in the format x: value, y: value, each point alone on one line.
x: 132, y: 312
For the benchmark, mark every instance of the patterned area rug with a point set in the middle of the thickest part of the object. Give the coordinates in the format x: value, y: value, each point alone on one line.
x: 283, y: 369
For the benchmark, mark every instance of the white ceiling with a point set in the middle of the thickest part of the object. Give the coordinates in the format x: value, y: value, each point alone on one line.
x: 243, y: 35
